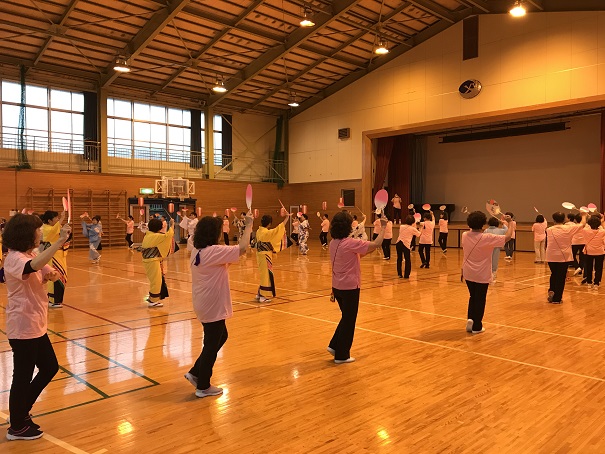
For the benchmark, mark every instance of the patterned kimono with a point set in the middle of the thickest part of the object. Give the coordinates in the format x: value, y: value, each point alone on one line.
x: 303, y: 236
x: 268, y: 242
x: 359, y: 232
x: 56, y: 290
x: 155, y: 247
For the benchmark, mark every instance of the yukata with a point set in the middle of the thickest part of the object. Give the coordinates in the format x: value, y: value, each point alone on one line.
x: 93, y: 232
x: 155, y: 248
x: 303, y: 237
x: 55, y: 290
x: 268, y: 242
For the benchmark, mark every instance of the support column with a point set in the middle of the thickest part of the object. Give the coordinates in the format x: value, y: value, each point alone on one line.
x: 209, y: 139
x: 102, y: 128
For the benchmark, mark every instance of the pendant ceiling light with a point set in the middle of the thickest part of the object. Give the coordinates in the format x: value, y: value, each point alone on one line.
x: 121, y: 65
x: 518, y: 10
x: 306, y: 20
x: 219, y: 87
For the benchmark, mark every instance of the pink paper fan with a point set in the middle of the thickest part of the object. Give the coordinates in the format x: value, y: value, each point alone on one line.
x: 233, y: 209
x: 417, y: 217
x: 381, y: 199
x: 65, y: 206
x: 249, y: 196
x: 426, y: 206
x: 591, y: 207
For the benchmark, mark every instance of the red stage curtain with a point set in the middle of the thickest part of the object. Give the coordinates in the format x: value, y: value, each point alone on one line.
x: 384, y: 149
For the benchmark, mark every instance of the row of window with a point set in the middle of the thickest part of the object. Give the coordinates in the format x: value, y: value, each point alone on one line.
x: 54, y: 121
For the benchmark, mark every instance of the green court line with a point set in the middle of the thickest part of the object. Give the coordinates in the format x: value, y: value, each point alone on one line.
x: 84, y: 382
x: 113, y: 361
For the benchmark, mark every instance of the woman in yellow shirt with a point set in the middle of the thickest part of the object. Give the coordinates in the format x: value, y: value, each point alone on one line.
x: 51, y: 229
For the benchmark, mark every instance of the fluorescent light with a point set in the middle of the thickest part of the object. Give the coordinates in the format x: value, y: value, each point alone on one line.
x: 518, y: 10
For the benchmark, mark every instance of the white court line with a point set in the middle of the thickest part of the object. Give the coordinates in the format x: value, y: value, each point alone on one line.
x: 414, y: 310
x: 61, y: 443
x: 446, y: 347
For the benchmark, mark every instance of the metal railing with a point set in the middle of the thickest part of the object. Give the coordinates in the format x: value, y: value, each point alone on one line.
x: 44, y: 153
x: 48, y: 153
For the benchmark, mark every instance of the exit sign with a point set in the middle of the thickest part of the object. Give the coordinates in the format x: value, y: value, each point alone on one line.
x: 146, y: 191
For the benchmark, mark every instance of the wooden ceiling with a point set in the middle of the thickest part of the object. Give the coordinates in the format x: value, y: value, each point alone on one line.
x: 178, y: 48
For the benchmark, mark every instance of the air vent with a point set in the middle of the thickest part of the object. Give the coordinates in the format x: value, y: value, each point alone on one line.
x: 344, y: 133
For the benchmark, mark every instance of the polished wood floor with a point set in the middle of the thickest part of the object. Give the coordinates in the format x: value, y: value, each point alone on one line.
x: 534, y: 382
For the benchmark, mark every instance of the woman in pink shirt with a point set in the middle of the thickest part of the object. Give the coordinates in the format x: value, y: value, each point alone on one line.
x: 26, y: 275
x: 226, y: 228
x: 387, y: 237
x: 477, y: 266
x: 212, y: 296
x: 594, y: 253
x: 325, y: 228
x: 426, y: 239
x: 407, y: 231
x: 345, y: 253
x: 558, y: 253
x: 376, y: 227
x: 509, y: 247
x: 539, y: 229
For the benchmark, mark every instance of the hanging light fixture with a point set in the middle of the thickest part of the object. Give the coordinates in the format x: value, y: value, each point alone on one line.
x: 382, y: 48
x: 219, y: 87
x: 518, y: 10
x: 121, y: 65
x: 293, y: 100
x: 306, y: 18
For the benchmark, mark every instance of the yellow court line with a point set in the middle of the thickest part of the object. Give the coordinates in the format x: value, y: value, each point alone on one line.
x: 446, y: 347
x: 61, y: 443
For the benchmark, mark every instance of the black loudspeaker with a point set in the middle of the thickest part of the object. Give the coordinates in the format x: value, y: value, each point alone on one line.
x: 344, y: 133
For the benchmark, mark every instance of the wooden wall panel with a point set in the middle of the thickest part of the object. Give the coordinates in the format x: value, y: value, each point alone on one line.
x: 211, y: 195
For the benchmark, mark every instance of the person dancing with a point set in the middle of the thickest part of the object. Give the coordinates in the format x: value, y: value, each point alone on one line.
x: 345, y: 253
x: 558, y: 253
x: 268, y: 242
x: 26, y: 319
x: 129, y: 229
x: 155, y: 247
x: 407, y: 231
x: 211, y: 295
x: 51, y: 230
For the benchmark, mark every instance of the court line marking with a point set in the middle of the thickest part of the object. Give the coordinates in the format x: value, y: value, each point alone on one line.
x: 62, y: 443
x: 410, y: 310
x: 446, y: 347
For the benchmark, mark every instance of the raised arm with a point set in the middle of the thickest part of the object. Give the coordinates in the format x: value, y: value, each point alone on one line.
x: 378, y: 241
x: 44, y: 257
x: 245, y: 239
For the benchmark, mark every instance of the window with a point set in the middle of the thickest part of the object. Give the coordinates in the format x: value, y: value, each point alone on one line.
x: 145, y: 131
x: 223, y: 154
x: 54, y: 119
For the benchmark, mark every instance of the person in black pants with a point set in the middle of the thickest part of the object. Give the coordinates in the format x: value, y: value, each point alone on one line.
x: 558, y: 253
x: 346, y: 280
x: 426, y: 239
x: 26, y: 319
x: 407, y: 232
x: 595, y: 252
x: 443, y: 231
x: 577, y: 248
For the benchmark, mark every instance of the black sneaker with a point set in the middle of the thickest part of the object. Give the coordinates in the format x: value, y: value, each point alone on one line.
x: 27, y: 433
x: 29, y: 421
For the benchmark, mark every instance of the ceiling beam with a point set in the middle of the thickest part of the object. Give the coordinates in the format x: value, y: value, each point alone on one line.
x: 68, y: 11
x: 294, y: 40
x: 342, y: 46
x: 141, y: 40
x: 424, y: 35
x: 481, y: 4
x: 537, y: 3
x: 551, y: 6
x: 435, y: 9
x: 220, y: 35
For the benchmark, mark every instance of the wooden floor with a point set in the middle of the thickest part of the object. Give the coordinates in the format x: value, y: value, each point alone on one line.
x: 534, y: 382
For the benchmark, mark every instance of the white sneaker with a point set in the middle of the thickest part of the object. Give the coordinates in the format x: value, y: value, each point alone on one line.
x: 262, y: 299
x: 331, y: 351
x: 154, y: 304
x: 577, y: 271
x: 212, y: 391
x: 478, y: 332
x: 257, y: 297
x: 469, y: 326
x: 343, y: 361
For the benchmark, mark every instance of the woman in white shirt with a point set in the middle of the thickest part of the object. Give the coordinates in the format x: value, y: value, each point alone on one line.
x: 594, y: 236
x: 325, y: 227
x: 426, y: 239
x: 443, y: 231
